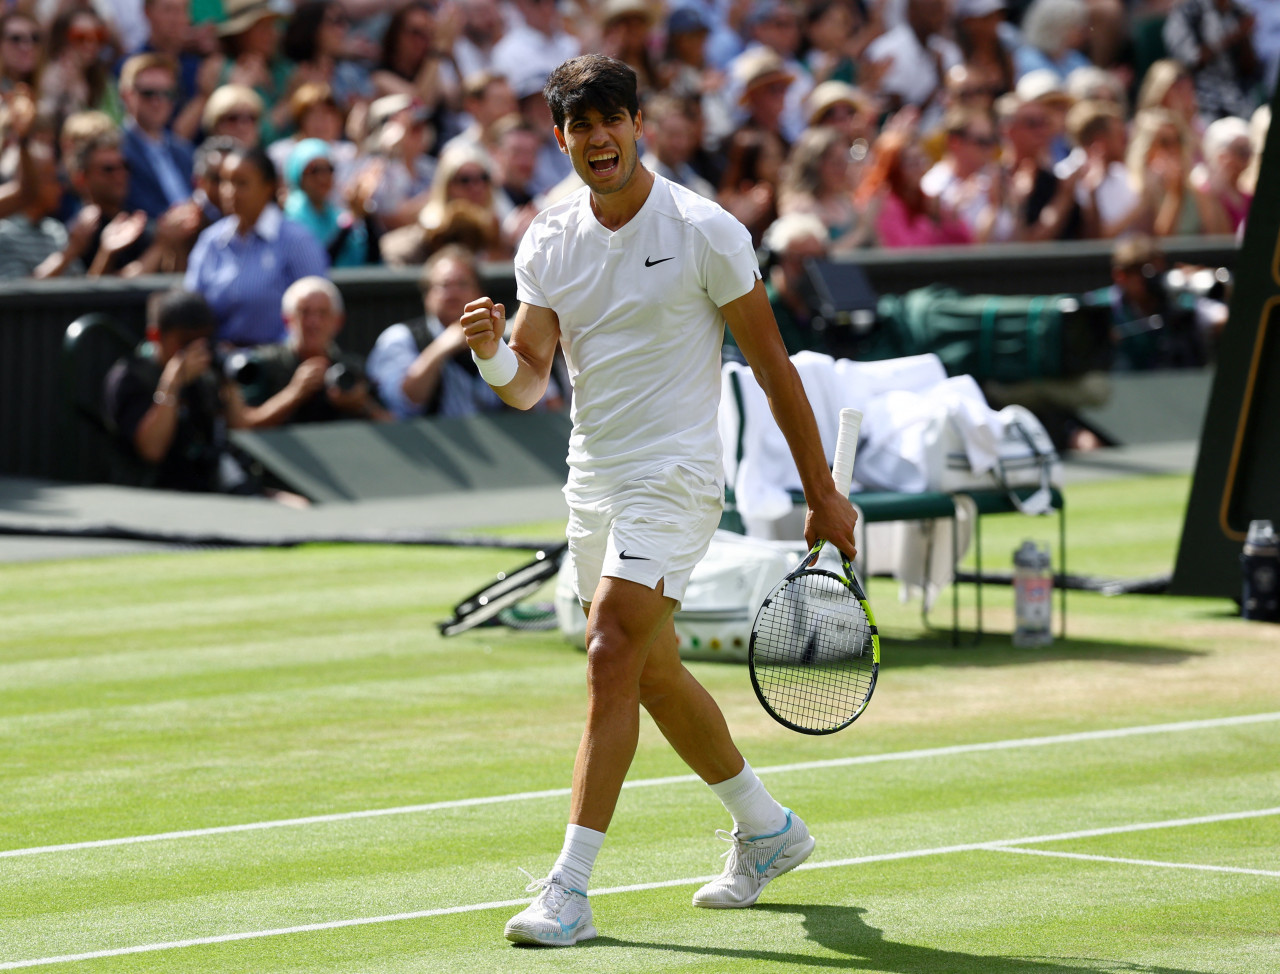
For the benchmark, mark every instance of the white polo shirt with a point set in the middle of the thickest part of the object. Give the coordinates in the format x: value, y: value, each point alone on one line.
x: 641, y: 330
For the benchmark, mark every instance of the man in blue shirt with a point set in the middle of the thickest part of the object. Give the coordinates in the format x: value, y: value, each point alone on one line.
x: 159, y: 161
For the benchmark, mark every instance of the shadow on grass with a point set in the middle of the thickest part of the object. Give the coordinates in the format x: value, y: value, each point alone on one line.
x: 842, y: 930
x: 995, y: 649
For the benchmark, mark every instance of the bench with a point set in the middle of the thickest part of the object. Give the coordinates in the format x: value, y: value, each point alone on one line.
x: 883, y: 506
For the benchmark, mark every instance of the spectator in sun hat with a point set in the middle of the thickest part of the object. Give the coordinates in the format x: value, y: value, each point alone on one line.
x: 834, y: 104
x: 250, y: 40
x: 763, y: 81
x: 234, y: 111
x: 625, y: 28
x: 1046, y: 88
x: 775, y: 26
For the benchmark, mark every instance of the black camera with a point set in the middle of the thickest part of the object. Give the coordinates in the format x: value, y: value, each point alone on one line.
x: 236, y: 365
x: 341, y: 377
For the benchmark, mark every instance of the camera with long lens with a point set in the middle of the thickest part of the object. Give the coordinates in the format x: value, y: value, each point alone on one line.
x: 235, y: 365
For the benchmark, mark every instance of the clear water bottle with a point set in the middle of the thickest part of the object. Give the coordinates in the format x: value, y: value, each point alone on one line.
x: 1260, y: 564
x: 1032, y: 596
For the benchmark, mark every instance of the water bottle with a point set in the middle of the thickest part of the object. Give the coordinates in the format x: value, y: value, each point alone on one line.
x: 1032, y: 596
x: 1260, y: 563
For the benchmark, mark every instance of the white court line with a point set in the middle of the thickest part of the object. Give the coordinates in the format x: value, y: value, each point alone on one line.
x: 997, y: 845
x: 1199, y: 867
x: 891, y: 756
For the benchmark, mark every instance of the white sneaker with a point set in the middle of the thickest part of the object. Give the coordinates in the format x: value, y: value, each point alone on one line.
x: 559, y: 917
x: 753, y: 861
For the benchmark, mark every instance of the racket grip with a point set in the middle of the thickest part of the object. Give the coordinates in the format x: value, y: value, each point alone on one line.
x: 846, y: 449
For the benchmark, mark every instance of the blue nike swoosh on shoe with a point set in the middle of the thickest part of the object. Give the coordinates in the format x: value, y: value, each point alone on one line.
x: 762, y: 869
x: 568, y: 928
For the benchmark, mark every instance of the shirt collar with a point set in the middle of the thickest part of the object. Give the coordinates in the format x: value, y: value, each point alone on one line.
x: 267, y: 227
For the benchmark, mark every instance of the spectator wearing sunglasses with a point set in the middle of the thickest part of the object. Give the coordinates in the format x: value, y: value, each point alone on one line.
x: 1108, y: 201
x: 234, y: 111
x: 159, y: 161
x: 967, y: 180
x: 170, y: 34
x: 77, y: 76
x: 21, y: 52
x: 309, y: 176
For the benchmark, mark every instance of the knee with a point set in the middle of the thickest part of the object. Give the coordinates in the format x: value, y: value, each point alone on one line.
x: 610, y: 663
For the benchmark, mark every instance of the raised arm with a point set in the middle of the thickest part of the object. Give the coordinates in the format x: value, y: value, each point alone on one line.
x: 518, y: 372
x: 831, y: 516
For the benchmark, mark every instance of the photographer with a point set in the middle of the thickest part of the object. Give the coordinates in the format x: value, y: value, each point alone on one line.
x: 1155, y: 325
x: 170, y: 406
x: 307, y: 378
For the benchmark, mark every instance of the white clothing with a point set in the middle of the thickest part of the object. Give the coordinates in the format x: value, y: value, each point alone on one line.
x: 525, y: 53
x: 1116, y: 197
x: 913, y: 75
x: 641, y: 330
x: 968, y: 198
x: 655, y: 529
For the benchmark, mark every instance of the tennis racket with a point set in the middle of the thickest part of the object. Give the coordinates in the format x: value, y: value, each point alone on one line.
x: 815, y: 651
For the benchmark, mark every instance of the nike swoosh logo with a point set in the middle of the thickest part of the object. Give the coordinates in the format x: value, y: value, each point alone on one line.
x: 568, y: 928
x: 764, y: 868
x: 623, y: 554
x: 650, y: 262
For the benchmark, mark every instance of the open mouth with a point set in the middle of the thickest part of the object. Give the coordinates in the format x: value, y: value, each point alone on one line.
x: 603, y: 163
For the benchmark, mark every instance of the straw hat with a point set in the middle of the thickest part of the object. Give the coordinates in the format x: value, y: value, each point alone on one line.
x: 243, y: 14
x: 830, y: 93
x: 759, y: 67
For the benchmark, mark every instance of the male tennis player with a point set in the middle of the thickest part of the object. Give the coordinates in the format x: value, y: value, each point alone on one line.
x: 635, y: 277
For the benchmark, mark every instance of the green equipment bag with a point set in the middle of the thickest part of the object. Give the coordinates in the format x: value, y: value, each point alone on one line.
x: 1007, y: 338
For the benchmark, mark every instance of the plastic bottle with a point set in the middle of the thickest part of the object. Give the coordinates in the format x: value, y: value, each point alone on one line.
x: 1260, y: 565
x: 1032, y: 596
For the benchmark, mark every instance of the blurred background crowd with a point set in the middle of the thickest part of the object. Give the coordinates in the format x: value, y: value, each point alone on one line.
x: 393, y: 128
x: 251, y: 144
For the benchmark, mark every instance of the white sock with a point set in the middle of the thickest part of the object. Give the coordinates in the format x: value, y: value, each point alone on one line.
x: 581, y: 846
x: 753, y: 809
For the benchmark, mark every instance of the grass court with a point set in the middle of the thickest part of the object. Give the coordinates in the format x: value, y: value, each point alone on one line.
x: 269, y: 761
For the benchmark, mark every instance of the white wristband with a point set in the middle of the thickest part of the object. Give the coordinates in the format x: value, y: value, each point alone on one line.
x: 500, y: 369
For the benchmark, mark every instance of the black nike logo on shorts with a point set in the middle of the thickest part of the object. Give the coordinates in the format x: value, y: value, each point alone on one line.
x: 623, y: 554
x: 650, y: 262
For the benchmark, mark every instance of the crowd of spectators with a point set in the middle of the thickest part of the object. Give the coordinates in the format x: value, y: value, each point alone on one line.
x: 249, y: 144
x: 394, y: 128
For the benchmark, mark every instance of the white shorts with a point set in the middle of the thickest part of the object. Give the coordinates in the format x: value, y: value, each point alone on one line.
x: 653, y: 530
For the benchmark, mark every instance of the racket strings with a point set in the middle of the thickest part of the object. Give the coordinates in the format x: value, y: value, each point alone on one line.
x: 813, y: 653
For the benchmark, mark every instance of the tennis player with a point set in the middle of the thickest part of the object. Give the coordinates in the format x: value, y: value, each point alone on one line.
x: 635, y: 277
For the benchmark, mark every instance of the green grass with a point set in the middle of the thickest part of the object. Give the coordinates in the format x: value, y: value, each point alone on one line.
x: 163, y: 693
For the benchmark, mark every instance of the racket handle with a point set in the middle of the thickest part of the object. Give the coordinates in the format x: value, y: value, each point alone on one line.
x: 846, y: 449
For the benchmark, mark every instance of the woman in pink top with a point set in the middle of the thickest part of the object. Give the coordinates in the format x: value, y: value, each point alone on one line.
x: 906, y: 217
